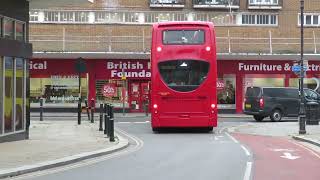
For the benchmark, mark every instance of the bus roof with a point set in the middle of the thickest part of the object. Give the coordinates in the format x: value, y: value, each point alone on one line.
x: 182, y: 23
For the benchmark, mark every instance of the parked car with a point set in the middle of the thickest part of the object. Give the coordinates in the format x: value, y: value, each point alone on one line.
x: 275, y: 102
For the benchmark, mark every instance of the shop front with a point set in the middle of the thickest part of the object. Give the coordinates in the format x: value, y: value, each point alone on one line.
x: 125, y: 83
x: 246, y: 73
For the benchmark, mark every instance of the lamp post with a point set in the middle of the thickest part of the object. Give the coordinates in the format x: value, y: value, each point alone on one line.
x: 302, y: 112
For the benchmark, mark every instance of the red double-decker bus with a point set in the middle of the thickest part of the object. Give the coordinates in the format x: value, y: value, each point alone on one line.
x: 184, y: 74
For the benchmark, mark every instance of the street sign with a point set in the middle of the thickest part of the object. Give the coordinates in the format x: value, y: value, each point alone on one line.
x: 297, y: 68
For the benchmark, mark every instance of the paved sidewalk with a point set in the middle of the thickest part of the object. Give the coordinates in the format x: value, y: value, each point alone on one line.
x: 55, y: 143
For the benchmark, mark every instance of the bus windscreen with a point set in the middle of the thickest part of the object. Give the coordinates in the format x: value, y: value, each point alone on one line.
x: 183, y: 37
x: 183, y: 75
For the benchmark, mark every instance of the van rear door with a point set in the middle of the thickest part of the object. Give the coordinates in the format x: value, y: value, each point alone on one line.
x: 252, y: 101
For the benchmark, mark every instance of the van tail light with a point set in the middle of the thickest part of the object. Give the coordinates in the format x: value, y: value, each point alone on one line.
x: 261, y: 102
x: 245, y: 99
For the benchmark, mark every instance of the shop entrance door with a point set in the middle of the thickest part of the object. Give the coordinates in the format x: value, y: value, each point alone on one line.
x: 139, y: 96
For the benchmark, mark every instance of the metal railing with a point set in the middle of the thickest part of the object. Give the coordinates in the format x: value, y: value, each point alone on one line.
x: 268, y: 44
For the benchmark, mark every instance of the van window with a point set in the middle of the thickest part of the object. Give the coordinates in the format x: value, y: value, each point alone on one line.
x: 253, y: 92
x: 309, y: 94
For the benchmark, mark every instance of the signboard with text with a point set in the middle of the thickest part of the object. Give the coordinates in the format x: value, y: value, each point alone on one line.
x: 109, y: 90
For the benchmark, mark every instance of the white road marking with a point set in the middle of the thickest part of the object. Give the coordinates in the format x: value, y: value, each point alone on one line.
x: 282, y: 150
x: 311, y: 151
x: 232, y: 138
x: 246, y: 150
x: 288, y: 155
x: 247, y: 174
x: 124, y: 122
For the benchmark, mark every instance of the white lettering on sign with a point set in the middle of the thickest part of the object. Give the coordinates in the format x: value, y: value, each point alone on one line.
x: 143, y: 73
x: 38, y: 65
x: 124, y: 65
x: 259, y: 67
x: 274, y: 67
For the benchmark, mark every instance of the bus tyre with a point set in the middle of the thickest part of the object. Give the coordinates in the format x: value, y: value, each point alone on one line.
x: 210, y: 129
x: 258, y: 118
x: 155, y: 130
x: 276, y: 115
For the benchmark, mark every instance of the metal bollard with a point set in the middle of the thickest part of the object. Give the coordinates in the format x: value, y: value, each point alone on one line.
x: 109, y: 115
x: 101, y: 117
x: 106, y: 119
x: 79, y: 111
x: 111, y: 132
x: 146, y: 108
x: 87, y: 109
x: 41, y: 109
x: 92, y: 110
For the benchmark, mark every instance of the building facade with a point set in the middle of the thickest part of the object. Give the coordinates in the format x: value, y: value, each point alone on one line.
x: 14, y: 54
x: 258, y: 42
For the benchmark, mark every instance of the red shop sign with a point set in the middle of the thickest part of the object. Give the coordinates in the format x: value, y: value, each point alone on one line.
x: 109, y: 90
x: 220, y: 84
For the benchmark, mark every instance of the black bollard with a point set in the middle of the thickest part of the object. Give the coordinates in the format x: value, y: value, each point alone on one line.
x: 79, y: 111
x: 41, y: 109
x: 106, y: 118
x: 101, y: 117
x: 92, y: 110
x: 111, y: 124
x: 87, y: 108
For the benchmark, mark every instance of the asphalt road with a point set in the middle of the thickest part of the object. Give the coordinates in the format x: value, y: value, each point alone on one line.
x: 175, y: 155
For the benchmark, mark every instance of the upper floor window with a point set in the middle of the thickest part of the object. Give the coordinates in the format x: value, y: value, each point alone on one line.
x: 51, y: 16
x: 263, y: 2
x: 310, y: 19
x: 259, y: 19
x: 167, y: 3
x: 20, y: 31
x: 8, y: 28
x: 33, y: 16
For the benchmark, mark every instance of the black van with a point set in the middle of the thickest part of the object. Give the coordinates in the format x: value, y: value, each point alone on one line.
x: 275, y: 102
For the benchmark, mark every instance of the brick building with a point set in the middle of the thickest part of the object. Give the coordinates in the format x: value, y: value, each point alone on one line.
x: 250, y: 34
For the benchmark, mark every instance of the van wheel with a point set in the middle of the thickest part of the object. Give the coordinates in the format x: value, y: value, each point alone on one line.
x: 258, y: 118
x: 276, y: 115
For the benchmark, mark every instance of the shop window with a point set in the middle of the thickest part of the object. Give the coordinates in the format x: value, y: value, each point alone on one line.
x: 226, y: 91
x: 1, y: 95
x: 58, y: 89
x: 112, y: 91
x: 8, y: 28
x: 19, y: 123
x: 8, y: 94
x: 263, y: 80
x: 20, y: 31
x: 311, y: 83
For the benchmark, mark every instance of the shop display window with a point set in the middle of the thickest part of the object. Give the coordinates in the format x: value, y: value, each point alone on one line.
x: 8, y: 94
x: 20, y: 88
x: 58, y: 89
x: 263, y: 80
x: 309, y: 82
x: 112, y: 91
x: 226, y: 85
x: 1, y: 95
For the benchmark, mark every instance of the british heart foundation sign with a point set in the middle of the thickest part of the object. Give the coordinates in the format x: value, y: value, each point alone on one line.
x: 109, y: 90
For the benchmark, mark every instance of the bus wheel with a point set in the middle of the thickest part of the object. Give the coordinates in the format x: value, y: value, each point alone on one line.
x: 258, y: 118
x: 155, y: 130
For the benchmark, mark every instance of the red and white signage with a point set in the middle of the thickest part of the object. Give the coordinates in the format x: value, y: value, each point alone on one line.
x: 109, y: 90
x: 220, y: 85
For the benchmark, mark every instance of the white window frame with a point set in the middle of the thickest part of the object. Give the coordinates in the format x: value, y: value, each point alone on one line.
x: 255, y: 23
x: 312, y: 19
x: 263, y: 2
